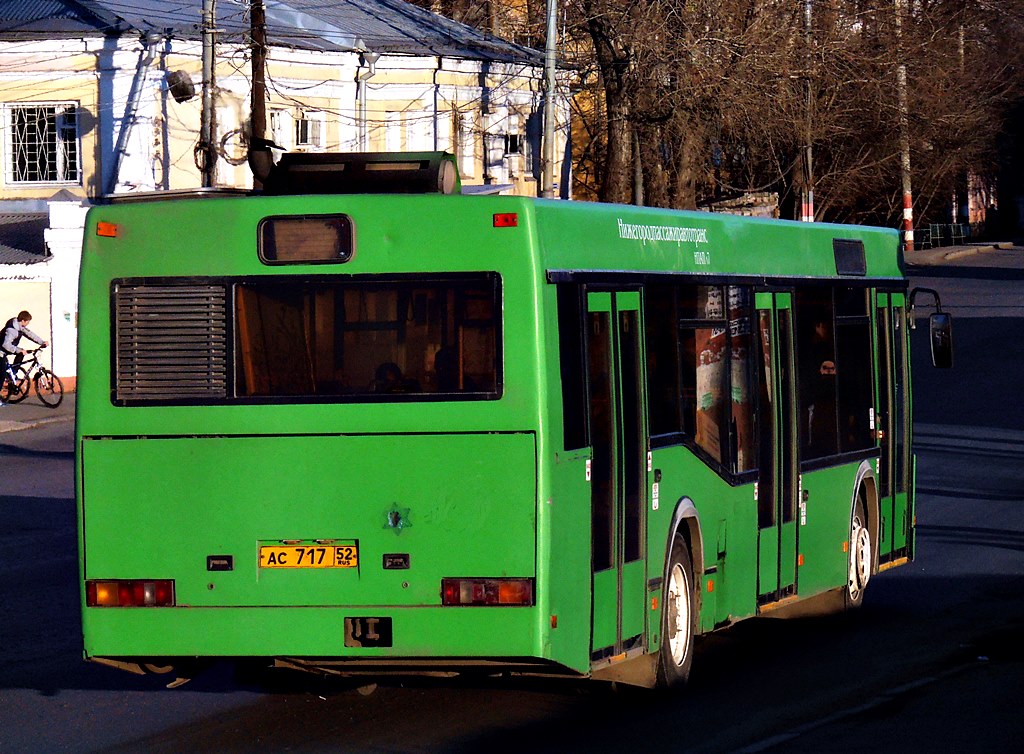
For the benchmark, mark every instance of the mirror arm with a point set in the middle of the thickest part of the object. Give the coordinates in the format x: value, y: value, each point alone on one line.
x: 913, y: 297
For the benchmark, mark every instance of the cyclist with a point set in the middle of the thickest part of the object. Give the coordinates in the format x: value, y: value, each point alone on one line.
x: 14, y: 330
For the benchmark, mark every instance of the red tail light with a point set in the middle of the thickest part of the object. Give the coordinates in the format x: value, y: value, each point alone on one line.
x: 487, y: 592
x: 133, y: 593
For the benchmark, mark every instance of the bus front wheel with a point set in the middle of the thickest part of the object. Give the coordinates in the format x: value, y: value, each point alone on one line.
x: 678, y: 615
x: 861, y: 557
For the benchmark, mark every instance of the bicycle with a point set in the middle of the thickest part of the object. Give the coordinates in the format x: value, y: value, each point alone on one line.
x: 12, y: 389
x: 16, y: 380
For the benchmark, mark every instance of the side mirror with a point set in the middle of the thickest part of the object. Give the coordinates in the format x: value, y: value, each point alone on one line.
x: 940, y: 327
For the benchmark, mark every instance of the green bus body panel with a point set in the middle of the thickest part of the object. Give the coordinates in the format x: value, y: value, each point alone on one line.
x: 824, y: 538
x: 563, y: 567
x: 606, y: 586
x: 634, y: 597
x: 728, y: 521
x: 196, y: 497
x: 308, y: 631
x: 626, y: 238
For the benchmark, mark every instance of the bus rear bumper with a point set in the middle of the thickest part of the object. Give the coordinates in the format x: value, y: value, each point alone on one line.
x: 414, y: 639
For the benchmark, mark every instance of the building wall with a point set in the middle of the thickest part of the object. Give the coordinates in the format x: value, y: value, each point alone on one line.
x: 45, y: 72
x: 31, y: 294
x: 49, y: 289
x: 64, y: 241
x: 410, y: 102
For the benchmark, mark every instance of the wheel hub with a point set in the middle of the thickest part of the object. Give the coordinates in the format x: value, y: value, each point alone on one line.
x: 677, y: 616
x: 860, y: 559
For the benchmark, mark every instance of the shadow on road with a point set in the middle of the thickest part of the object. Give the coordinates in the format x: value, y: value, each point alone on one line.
x: 750, y: 681
x: 982, y: 387
x: 8, y: 451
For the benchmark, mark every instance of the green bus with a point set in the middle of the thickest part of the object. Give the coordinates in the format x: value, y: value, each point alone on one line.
x: 397, y: 432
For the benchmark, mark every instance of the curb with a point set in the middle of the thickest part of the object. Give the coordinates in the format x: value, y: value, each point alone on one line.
x: 961, y: 253
x: 14, y: 426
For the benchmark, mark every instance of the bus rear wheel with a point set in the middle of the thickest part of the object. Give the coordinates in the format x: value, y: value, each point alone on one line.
x: 678, y: 616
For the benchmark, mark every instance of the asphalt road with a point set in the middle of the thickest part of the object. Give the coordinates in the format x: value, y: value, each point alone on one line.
x: 933, y: 662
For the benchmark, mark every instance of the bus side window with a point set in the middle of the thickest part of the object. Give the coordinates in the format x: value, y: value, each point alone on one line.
x: 571, y: 364
x: 742, y: 449
x: 664, y: 388
x: 704, y: 338
x: 700, y: 370
x: 816, y: 369
x: 853, y: 364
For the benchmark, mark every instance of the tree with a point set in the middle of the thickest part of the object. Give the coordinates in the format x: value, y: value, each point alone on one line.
x: 682, y: 102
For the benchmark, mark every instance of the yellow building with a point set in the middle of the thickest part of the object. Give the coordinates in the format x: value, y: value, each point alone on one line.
x: 105, y: 97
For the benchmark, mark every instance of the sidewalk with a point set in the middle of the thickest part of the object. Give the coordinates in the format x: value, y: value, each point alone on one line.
x: 31, y: 413
x: 944, y: 254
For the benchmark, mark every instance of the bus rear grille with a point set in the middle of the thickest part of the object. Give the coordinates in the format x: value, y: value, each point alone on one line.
x: 171, y: 342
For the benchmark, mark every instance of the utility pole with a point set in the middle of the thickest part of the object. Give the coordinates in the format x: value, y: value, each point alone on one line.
x: 149, y: 43
x: 901, y: 94
x: 206, y: 149
x: 807, y: 200
x: 547, y: 169
x: 258, y: 106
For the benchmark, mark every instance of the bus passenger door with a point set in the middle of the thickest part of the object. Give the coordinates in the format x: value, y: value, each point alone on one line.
x: 618, y: 429
x: 778, y: 485
x: 892, y: 424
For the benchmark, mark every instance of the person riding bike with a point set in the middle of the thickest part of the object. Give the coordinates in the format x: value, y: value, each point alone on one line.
x: 15, y: 329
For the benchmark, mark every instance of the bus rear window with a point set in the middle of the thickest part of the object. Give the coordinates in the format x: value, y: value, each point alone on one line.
x: 368, y: 340
x: 312, y: 239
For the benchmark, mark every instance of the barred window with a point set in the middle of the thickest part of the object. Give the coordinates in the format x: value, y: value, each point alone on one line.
x: 309, y: 130
x: 42, y: 143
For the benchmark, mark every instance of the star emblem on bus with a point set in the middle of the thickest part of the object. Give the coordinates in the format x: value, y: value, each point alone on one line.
x: 397, y: 519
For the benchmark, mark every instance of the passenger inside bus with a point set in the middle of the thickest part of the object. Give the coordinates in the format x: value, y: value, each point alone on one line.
x: 389, y: 379
x: 818, y: 387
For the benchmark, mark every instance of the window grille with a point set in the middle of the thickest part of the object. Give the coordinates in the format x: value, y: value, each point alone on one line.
x: 171, y: 342
x: 44, y: 144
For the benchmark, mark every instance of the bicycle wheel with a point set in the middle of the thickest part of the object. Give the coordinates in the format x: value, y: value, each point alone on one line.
x: 49, y: 388
x: 17, y: 392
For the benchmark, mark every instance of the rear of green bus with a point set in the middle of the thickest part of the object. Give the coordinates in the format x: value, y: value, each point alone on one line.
x: 308, y: 429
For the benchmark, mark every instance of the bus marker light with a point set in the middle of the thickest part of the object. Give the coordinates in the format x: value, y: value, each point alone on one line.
x: 800, y: 559
x: 654, y: 603
x: 107, y: 230
x: 129, y: 593
x: 506, y: 220
x: 486, y: 592
x: 846, y: 546
x: 711, y: 585
x: 554, y: 621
